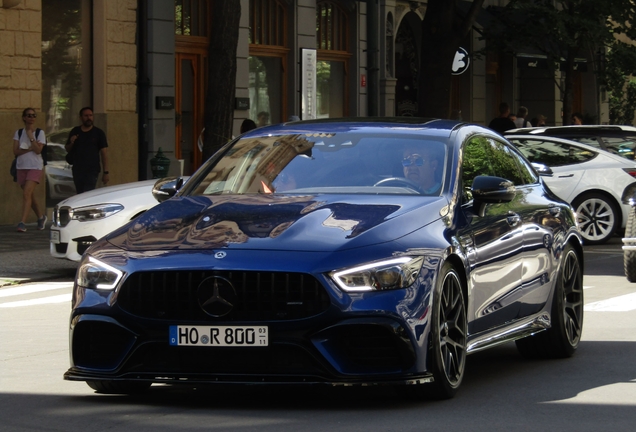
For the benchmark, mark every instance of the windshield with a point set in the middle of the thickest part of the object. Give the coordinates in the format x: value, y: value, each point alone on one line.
x: 328, y: 163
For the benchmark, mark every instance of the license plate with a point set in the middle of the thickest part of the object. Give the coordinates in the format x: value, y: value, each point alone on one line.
x: 54, y: 236
x: 219, y: 336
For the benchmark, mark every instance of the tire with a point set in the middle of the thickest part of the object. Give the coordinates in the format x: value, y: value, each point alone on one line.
x: 629, y: 257
x: 447, y: 351
x: 562, y: 339
x: 598, y: 217
x: 119, y: 387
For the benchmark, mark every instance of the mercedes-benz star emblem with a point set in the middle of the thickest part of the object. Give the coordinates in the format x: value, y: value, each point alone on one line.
x: 220, y: 255
x: 216, y: 296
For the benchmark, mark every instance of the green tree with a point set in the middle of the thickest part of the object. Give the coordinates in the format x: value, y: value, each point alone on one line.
x: 443, y: 29
x: 562, y: 30
x: 219, y: 101
x: 619, y: 83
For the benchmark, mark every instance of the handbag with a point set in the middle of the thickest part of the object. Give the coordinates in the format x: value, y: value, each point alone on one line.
x: 14, y: 169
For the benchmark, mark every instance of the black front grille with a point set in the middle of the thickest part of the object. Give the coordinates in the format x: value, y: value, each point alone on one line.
x: 261, y: 296
x: 61, y: 247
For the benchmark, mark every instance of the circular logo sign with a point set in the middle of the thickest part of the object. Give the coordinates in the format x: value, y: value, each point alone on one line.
x: 460, y: 62
x: 216, y: 296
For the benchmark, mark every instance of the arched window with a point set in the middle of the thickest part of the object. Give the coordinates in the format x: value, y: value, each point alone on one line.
x: 267, y: 61
x: 332, y: 33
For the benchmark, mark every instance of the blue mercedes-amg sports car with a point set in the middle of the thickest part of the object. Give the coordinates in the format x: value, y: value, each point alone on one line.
x: 339, y: 252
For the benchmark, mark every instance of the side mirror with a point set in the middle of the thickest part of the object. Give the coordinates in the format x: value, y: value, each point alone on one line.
x: 487, y: 189
x: 166, y: 188
x: 542, y: 169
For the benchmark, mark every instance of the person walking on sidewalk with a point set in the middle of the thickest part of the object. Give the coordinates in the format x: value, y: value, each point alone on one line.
x: 28, y: 145
x: 87, y: 147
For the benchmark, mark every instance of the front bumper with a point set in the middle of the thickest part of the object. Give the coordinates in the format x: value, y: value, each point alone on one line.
x: 335, y: 338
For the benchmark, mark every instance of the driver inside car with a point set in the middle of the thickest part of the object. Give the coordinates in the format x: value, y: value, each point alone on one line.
x: 419, y: 166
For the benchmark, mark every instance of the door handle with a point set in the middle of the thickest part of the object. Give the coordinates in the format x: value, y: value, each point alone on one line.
x: 566, y: 175
x: 513, y: 219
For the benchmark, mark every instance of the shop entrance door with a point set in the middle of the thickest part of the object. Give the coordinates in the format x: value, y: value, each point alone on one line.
x: 189, y: 108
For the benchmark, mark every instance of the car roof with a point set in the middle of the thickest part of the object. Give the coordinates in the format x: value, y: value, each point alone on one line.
x: 595, y: 130
x: 433, y: 127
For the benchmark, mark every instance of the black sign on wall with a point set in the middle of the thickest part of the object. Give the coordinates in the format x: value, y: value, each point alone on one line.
x: 164, y: 102
x: 242, y: 103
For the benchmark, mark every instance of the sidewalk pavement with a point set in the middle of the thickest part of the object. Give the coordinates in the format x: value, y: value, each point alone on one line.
x: 25, y: 257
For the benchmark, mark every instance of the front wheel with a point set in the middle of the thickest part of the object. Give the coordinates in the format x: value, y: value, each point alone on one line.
x: 448, y: 335
x: 598, y: 217
x: 562, y: 339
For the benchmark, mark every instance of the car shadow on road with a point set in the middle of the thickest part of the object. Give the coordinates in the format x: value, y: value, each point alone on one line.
x: 500, y: 388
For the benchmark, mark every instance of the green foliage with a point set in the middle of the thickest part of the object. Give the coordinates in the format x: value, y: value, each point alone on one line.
x: 563, y: 30
x: 619, y: 83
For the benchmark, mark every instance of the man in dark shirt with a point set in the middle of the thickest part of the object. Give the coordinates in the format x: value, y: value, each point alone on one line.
x: 86, y: 146
x: 502, y: 123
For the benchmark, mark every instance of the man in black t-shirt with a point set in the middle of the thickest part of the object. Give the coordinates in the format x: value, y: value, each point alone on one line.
x: 502, y: 123
x: 87, y: 147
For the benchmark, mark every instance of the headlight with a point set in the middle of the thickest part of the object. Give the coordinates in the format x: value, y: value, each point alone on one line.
x: 382, y: 275
x: 101, y: 211
x: 95, y: 274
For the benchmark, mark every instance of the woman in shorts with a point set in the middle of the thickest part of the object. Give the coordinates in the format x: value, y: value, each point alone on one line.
x: 28, y: 148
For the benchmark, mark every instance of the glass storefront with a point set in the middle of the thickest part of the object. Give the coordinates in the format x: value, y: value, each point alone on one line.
x: 66, y: 64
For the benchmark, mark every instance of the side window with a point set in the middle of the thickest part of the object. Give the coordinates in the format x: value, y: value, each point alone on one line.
x: 592, y: 141
x: 485, y: 156
x: 505, y: 163
x: 528, y: 175
x: 552, y: 154
x: 622, y: 146
x: 476, y: 160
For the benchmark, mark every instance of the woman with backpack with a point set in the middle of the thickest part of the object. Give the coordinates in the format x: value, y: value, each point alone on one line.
x: 28, y: 145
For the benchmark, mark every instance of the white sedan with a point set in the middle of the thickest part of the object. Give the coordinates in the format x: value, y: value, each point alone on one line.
x: 594, y: 181
x: 80, y: 220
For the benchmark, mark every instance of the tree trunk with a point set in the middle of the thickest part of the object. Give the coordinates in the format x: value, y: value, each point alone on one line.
x: 219, y: 101
x: 442, y: 33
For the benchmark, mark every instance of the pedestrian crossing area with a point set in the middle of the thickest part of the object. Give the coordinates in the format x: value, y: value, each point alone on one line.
x: 36, y: 294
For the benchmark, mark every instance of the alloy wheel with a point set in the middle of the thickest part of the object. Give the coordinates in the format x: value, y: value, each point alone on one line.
x: 596, y: 219
x: 572, y: 298
x: 452, y: 329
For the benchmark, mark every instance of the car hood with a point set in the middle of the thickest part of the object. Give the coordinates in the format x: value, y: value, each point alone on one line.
x: 136, y: 191
x: 277, y: 222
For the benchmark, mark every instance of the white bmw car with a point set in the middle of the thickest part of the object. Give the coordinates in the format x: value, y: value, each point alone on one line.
x: 594, y: 181
x: 80, y: 220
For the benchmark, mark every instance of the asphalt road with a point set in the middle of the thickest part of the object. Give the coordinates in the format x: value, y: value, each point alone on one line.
x: 593, y: 391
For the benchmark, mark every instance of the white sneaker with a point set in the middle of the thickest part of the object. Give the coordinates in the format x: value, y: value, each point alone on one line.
x: 42, y: 222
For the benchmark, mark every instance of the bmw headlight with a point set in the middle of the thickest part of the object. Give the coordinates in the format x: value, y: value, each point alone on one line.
x: 95, y: 274
x: 96, y: 212
x: 378, y: 276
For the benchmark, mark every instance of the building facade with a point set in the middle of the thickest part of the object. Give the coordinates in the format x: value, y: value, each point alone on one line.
x: 142, y: 65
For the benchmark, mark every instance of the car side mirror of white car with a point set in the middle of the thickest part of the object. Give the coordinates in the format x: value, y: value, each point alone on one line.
x: 167, y: 187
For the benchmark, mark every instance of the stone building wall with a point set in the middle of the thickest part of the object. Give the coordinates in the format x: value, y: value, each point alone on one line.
x: 20, y: 87
x: 121, y: 64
